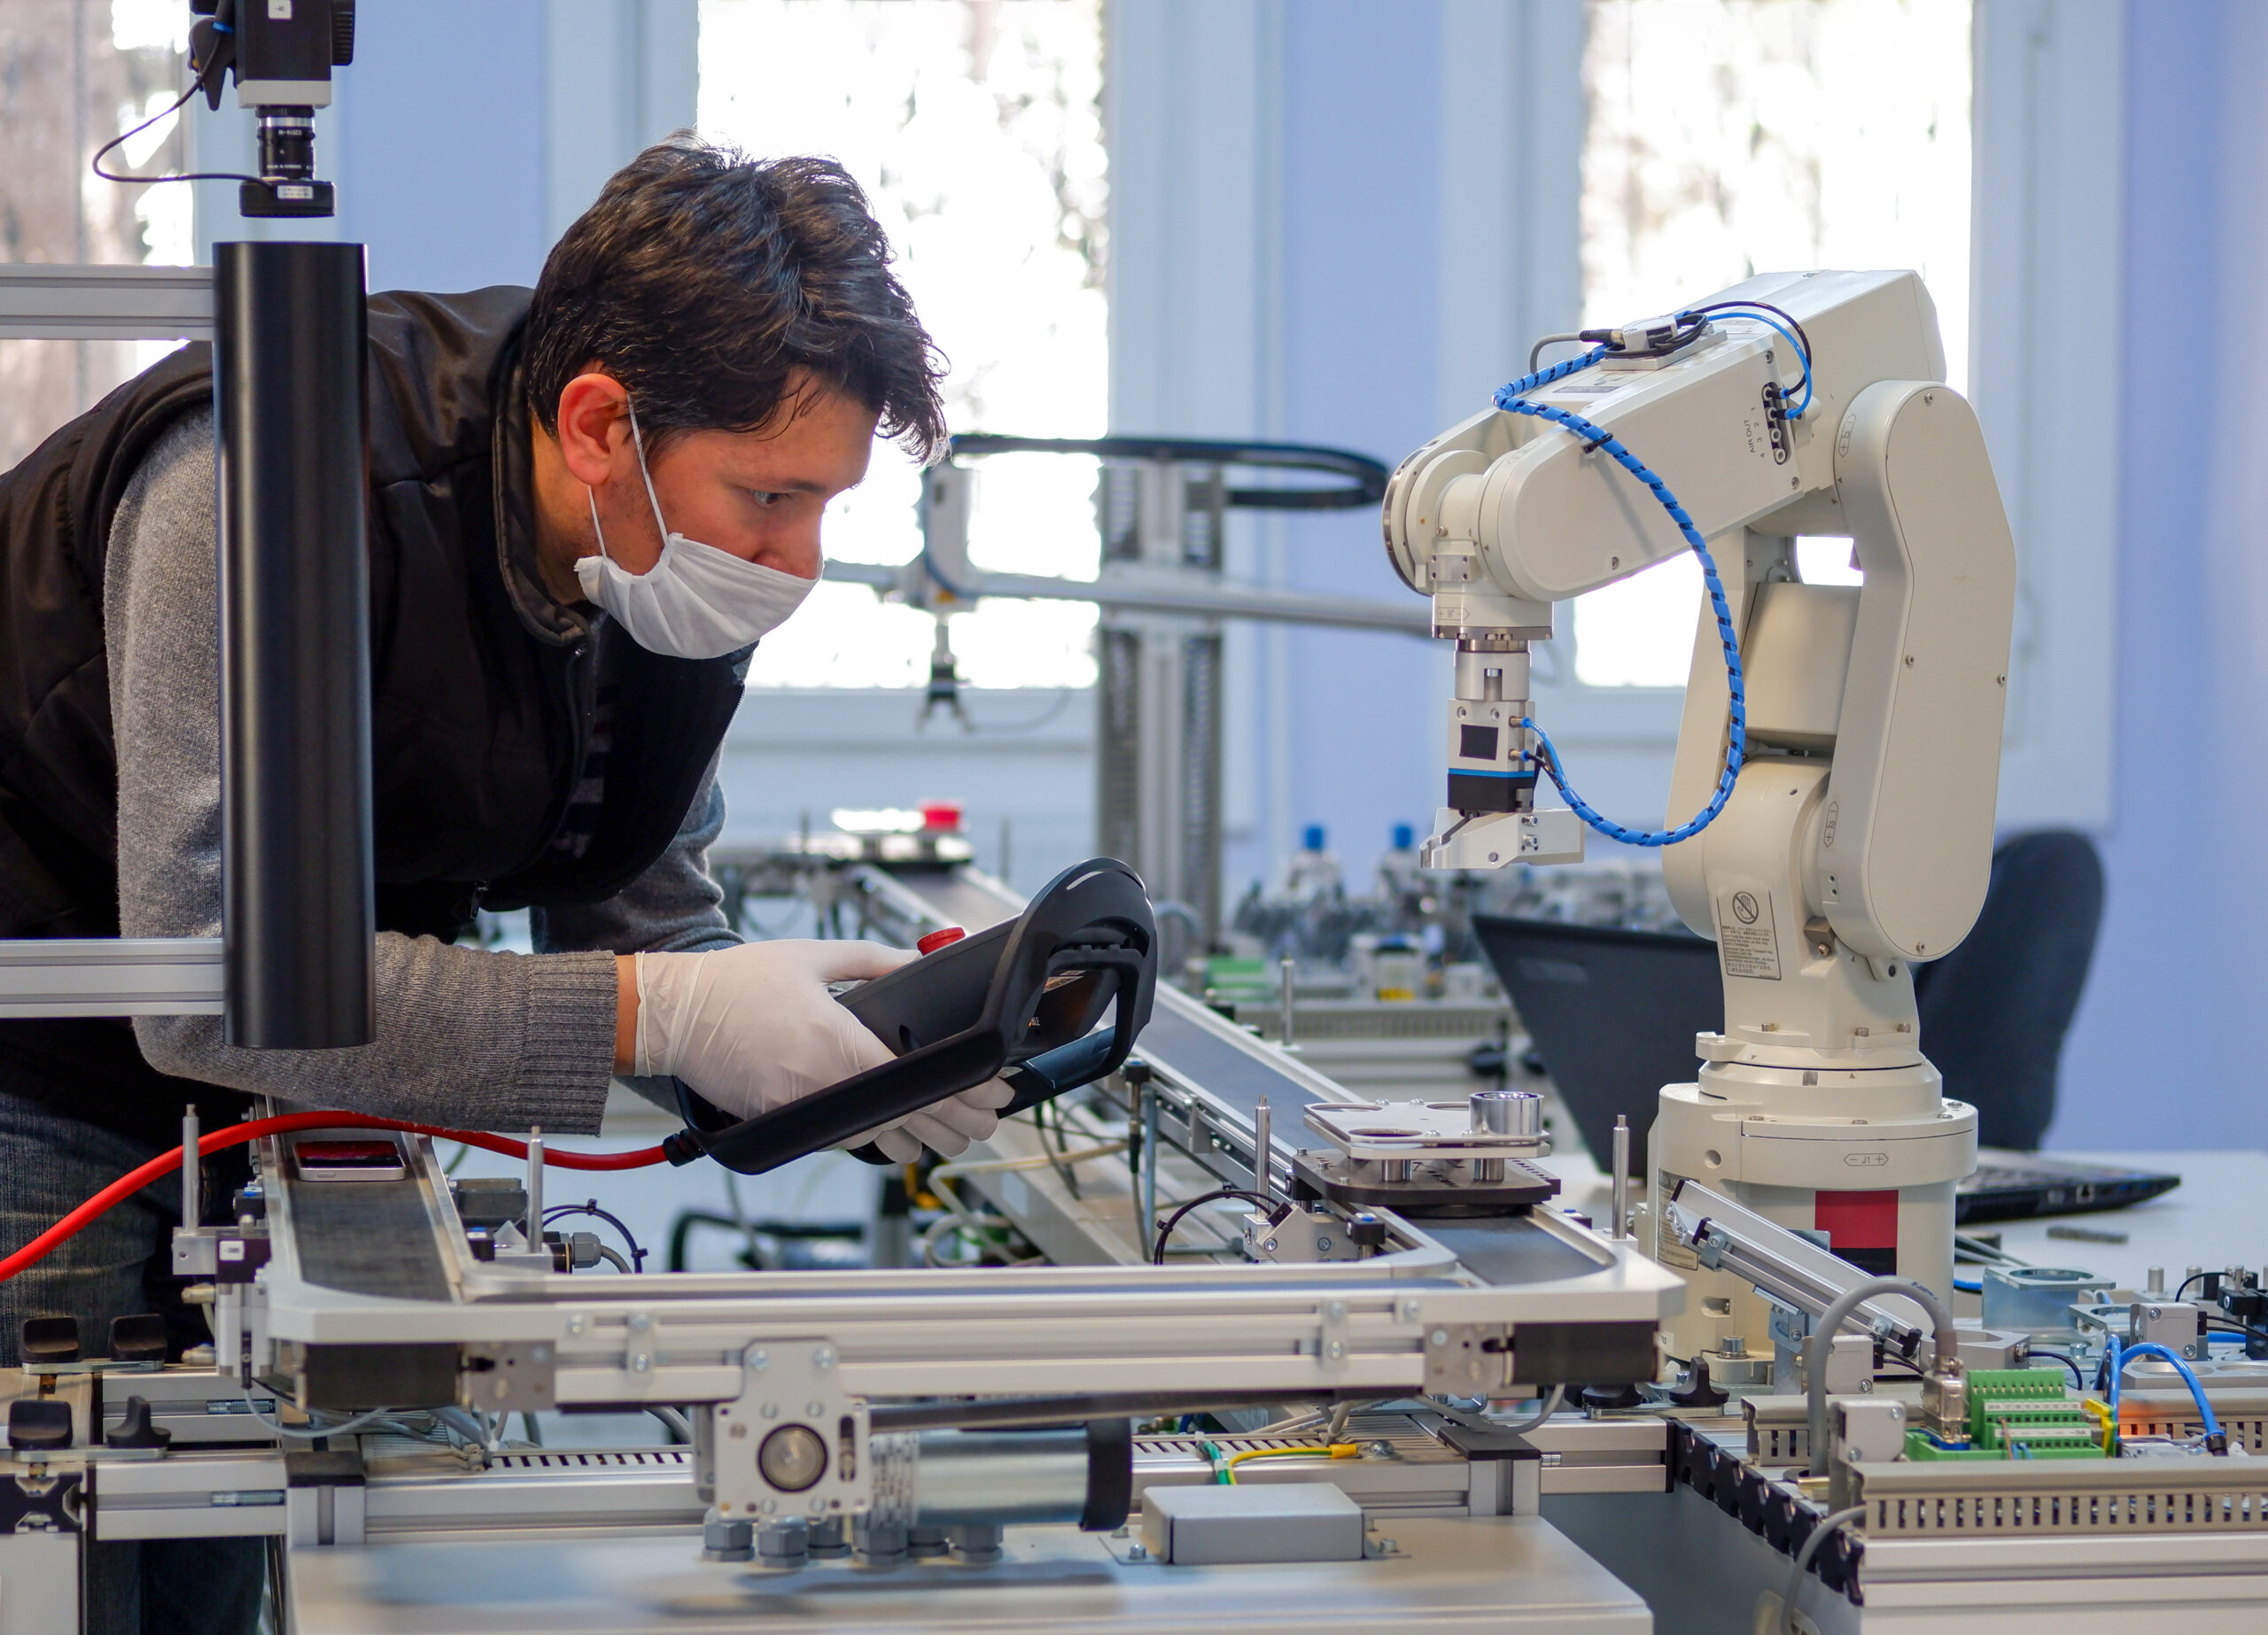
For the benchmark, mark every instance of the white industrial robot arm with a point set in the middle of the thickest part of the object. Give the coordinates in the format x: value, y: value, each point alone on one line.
x: 1856, y: 833
x: 1511, y: 512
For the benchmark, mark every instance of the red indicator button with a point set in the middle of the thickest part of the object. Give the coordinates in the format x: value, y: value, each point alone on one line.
x: 936, y: 939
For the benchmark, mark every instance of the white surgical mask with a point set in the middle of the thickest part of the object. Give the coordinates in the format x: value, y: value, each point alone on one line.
x: 698, y: 602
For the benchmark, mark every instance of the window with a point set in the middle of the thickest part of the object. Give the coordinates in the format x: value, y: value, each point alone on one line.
x: 78, y: 72
x: 1728, y: 138
x: 975, y: 128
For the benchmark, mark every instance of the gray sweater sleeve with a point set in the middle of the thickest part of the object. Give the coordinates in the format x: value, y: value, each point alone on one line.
x: 674, y: 907
x: 465, y: 1037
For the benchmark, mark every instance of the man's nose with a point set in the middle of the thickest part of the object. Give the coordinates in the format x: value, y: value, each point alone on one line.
x: 798, y: 554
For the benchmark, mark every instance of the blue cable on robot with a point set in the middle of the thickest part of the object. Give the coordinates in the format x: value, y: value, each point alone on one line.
x: 1512, y: 399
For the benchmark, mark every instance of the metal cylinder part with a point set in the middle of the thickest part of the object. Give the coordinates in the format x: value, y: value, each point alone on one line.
x: 1263, y: 1153
x: 828, y: 1537
x: 534, y: 1185
x: 1617, y: 1227
x: 299, y: 916
x: 964, y: 1478
x: 192, y: 1170
x: 1485, y: 678
x: 1507, y: 1112
x: 1488, y: 1170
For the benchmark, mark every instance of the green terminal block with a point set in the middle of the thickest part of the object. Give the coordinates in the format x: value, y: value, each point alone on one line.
x: 2017, y: 1413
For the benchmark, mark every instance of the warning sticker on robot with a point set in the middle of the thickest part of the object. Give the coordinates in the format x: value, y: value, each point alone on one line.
x: 1746, y: 943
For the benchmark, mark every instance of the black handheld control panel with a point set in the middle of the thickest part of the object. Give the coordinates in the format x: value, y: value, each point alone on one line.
x: 1026, y: 1000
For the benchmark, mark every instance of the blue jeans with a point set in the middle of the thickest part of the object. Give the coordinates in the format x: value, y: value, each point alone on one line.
x: 119, y: 1266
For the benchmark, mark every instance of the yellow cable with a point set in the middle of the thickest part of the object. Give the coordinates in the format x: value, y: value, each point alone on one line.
x: 1337, y: 1450
x: 2100, y: 1413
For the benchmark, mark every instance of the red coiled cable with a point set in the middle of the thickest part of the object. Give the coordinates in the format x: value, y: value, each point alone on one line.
x: 236, y: 1135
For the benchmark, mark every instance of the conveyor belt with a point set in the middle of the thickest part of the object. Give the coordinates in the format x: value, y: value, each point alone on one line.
x: 1509, y: 1250
x: 1205, y: 1059
x: 1228, y: 1075
x: 368, y: 1237
x: 956, y: 900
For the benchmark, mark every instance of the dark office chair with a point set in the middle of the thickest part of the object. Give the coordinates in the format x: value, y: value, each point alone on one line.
x: 1994, y: 1011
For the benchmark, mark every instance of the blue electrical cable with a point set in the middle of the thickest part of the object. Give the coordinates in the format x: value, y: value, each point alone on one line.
x: 2120, y: 1356
x: 1764, y: 316
x: 1512, y: 399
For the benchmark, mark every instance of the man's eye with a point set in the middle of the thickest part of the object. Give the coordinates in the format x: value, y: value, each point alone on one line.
x: 765, y: 497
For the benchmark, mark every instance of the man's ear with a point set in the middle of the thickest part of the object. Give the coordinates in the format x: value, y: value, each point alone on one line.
x: 594, y: 423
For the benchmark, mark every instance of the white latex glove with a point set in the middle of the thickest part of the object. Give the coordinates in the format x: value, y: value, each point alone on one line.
x: 753, y: 1027
x: 948, y: 1128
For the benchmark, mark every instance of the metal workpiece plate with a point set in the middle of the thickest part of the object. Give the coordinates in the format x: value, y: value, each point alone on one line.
x: 1500, y: 1573
x: 1408, y: 1128
x: 1436, y: 1189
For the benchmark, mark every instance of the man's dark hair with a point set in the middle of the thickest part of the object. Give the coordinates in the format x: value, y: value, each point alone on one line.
x: 703, y: 280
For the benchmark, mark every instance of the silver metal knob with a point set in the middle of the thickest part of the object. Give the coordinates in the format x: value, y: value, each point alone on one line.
x: 1507, y: 1112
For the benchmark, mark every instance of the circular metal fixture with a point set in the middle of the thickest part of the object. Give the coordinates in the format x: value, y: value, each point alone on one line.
x: 792, y: 1458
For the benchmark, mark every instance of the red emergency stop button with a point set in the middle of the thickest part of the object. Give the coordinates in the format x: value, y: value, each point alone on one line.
x: 936, y: 939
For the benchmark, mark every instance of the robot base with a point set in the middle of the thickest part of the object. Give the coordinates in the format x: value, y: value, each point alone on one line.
x: 1873, y: 1165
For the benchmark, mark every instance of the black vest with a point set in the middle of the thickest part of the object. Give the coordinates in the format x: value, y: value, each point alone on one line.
x: 481, y: 685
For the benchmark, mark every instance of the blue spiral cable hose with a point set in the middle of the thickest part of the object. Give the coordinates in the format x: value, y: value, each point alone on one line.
x: 1512, y: 399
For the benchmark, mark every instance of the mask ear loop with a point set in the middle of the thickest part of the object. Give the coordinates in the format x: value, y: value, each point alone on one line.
x: 651, y: 498
x: 593, y: 495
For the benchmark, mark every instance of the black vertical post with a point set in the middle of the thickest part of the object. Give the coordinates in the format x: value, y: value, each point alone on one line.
x: 289, y: 368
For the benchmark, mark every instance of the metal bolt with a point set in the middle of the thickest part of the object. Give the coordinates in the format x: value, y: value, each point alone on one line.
x: 770, y: 1410
x: 1440, y: 1336
x: 640, y: 1321
x: 576, y: 1324
x: 1335, y: 1310
x: 739, y: 1432
x: 815, y: 1409
x: 1137, y: 1553
x: 723, y: 1540
x: 823, y: 1359
x: 1323, y: 1245
x: 1336, y: 1350
x: 1269, y: 1246
x: 759, y: 1359
x: 818, y: 1506
x: 1409, y: 1310
x: 640, y: 1363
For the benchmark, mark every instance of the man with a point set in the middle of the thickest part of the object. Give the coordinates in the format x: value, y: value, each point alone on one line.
x: 586, y: 504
